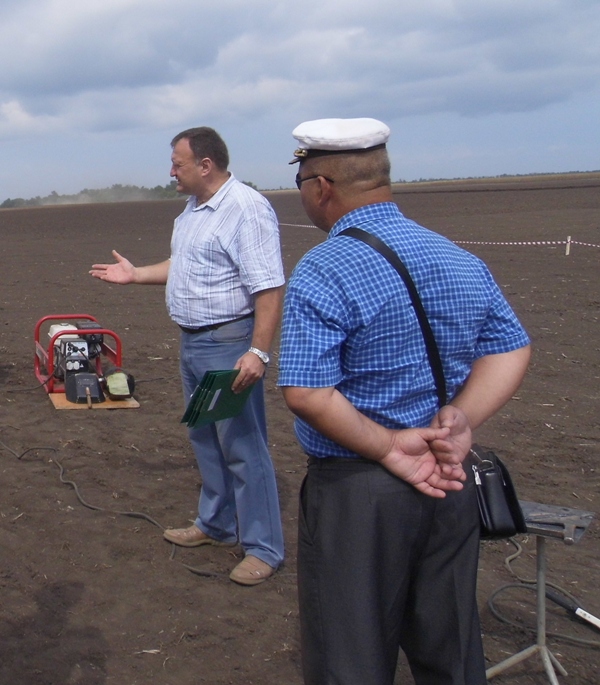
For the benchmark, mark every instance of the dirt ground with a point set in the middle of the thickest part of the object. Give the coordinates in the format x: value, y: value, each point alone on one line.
x: 90, y: 595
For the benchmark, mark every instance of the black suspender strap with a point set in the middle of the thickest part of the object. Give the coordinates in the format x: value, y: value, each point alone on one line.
x: 433, y: 353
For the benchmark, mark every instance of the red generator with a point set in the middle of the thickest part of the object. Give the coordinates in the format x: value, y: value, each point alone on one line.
x: 72, y: 361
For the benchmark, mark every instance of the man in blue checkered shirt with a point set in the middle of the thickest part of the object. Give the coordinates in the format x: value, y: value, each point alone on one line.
x: 388, y: 528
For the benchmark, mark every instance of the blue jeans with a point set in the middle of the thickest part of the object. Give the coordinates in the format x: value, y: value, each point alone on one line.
x: 238, y: 499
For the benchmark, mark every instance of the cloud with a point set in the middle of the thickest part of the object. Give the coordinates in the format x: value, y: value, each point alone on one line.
x: 13, y: 115
x: 130, y: 63
x: 15, y: 120
x: 105, y: 72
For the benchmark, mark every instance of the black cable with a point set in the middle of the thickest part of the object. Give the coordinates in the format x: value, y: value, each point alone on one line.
x: 532, y: 585
x: 151, y: 380
x: 130, y: 514
x: 37, y: 387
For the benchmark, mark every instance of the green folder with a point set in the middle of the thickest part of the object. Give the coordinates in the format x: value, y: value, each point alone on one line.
x: 193, y: 408
x: 214, y: 400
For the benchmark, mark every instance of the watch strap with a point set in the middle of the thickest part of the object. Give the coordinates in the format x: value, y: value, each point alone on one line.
x: 263, y: 356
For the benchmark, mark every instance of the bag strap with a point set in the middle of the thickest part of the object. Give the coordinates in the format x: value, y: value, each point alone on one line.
x: 433, y: 353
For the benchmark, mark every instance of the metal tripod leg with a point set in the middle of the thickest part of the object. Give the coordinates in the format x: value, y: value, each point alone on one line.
x: 548, y: 659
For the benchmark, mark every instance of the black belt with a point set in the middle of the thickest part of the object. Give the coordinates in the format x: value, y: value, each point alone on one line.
x: 214, y: 326
x: 341, y: 461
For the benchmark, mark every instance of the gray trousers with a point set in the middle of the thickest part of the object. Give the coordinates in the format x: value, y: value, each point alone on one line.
x: 382, y: 567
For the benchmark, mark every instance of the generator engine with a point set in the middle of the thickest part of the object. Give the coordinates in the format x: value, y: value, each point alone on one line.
x: 73, y: 352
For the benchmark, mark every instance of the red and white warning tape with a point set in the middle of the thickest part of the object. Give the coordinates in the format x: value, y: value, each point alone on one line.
x: 567, y: 242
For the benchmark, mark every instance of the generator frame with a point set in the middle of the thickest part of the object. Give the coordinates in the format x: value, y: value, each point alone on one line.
x: 45, y: 363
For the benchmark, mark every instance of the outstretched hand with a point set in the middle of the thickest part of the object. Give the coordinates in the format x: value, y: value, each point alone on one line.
x: 121, y: 272
x: 411, y: 458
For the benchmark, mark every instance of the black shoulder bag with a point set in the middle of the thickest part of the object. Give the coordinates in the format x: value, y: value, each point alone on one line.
x: 499, y: 509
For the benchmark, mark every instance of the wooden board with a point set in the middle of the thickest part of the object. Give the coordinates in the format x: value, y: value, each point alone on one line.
x: 60, y: 401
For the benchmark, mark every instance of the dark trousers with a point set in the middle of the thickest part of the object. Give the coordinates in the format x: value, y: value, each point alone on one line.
x: 382, y: 567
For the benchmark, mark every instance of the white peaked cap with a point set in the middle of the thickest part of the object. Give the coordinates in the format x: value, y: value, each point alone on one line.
x: 330, y: 136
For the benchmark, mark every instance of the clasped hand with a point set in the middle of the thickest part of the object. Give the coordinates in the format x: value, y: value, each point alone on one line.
x: 431, y: 459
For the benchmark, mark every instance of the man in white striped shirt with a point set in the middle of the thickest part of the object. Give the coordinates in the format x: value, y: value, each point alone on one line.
x: 224, y: 286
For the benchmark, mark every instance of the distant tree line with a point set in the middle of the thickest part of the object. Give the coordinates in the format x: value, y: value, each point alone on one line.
x: 116, y: 193
x: 129, y: 193
x: 482, y: 178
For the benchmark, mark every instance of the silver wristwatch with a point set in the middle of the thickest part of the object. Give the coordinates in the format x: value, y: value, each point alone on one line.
x: 263, y: 356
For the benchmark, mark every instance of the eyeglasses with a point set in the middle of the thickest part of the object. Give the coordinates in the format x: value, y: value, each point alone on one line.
x: 300, y: 181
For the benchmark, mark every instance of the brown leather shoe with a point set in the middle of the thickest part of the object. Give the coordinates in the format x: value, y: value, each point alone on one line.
x: 192, y: 537
x: 251, y: 571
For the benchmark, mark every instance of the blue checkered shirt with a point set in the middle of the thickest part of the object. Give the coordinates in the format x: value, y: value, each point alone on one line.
x: 348, y: 321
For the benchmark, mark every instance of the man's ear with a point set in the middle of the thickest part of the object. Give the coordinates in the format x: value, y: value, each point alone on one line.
x: 206, y: 165
x: 324, y: 191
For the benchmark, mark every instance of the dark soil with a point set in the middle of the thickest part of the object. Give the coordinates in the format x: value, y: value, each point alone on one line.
x: 92, y: 595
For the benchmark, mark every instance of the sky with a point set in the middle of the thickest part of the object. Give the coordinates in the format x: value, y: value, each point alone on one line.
x: 92, y: 92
